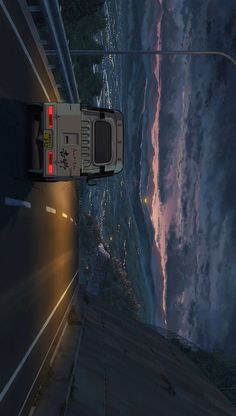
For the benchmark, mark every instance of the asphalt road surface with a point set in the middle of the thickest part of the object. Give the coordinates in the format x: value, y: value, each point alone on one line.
x: 38, y: 231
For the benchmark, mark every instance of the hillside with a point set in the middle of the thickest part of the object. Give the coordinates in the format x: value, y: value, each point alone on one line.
x: 124, y: 367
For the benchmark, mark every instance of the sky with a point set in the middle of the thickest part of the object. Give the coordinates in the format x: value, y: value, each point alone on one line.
x: 190, y: 207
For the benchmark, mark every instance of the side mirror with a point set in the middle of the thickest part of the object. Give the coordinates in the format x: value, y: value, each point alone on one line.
x: 91, y: 182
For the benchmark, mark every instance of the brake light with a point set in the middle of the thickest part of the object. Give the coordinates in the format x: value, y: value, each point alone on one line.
x: 50, y: 116
x: 50, y: 163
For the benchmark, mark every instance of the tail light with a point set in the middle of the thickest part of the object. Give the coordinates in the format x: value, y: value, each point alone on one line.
x: 50, y: 163
x: 50, y: 116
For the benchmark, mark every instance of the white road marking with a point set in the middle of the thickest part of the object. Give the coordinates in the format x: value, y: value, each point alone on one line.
x: 58, y: 344
x: 49, y: 349
x: 51, y: 210
x: 64, y: 215
x: 24, y: 48
x: 17, y: 202
x: 30, y: 349
x: 32, y: 410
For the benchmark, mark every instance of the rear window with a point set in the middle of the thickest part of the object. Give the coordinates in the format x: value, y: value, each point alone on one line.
x: 102, y: 142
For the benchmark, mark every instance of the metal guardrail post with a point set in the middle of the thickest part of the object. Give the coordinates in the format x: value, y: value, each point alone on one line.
x: 51, y: 10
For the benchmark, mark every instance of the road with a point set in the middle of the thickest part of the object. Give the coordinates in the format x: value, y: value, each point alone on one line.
x: 38, y: 239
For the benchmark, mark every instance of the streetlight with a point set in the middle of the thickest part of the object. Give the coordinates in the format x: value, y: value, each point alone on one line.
x: 141, y: 52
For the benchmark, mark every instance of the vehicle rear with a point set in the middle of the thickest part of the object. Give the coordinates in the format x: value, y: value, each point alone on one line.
x: 61, y: 126
x: 75, y: 141
x: 101, y: 142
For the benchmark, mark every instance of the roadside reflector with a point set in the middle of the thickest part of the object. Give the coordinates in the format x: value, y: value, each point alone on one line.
x: 50, y: 163
x: 50, y: 116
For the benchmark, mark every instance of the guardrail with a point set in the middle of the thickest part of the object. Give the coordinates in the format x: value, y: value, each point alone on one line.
x: 53, y: 20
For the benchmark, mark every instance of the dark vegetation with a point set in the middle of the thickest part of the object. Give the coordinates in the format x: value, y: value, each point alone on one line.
x: 116, y: 289
x: 217, y: 366
x: 220, y: 369
x: 83, y: 21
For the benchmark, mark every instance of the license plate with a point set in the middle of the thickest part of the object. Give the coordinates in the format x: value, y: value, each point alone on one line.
x: 47, y: 139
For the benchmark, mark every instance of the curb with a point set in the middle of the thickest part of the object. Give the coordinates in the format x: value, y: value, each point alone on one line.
x: 69, y: 391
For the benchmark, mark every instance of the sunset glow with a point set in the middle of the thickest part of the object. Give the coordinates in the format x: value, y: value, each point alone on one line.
x: 156, y: 213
